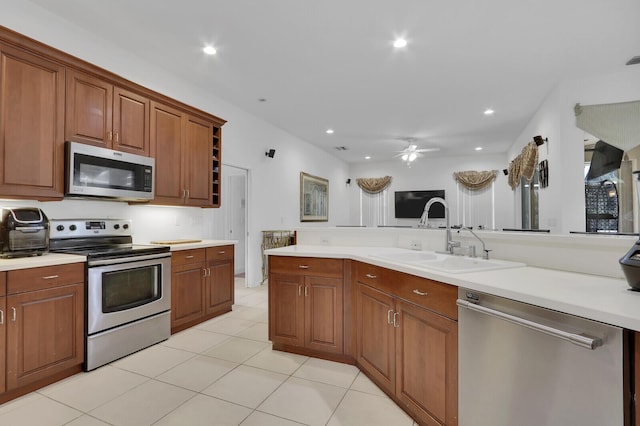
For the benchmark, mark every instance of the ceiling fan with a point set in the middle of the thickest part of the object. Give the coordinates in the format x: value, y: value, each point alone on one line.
x: 412, y: 152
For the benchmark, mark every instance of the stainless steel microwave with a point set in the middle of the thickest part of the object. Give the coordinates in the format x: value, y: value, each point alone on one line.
x: 92, y: 171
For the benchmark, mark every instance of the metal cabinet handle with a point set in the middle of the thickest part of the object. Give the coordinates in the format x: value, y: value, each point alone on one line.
x: 50, y: 277
x: 303, y: 266
x: 299, y: 290
x: 306, y: 291
x: 371, y: 276
x: 221, y: 252
x: 13, y: 314
x: 117, y: 137
x: 396, y: 324
x: 420, y: 293
x: 204, y: 272
x: 187, y: 193
x: 109, y: 135
x: 389, y: 320
x: 189, y: 257
x: 1, y: 317
x: 209, y: 272
x: 576, y: 339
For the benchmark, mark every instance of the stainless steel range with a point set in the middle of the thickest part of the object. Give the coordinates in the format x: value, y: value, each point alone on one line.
x: 128, y: 286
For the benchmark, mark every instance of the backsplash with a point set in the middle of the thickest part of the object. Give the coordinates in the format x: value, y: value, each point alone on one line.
x: 596, y: 255
x: 149, y: 222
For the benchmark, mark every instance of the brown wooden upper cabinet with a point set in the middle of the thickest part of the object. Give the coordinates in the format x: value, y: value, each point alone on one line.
x: 31, y: 125
x: 181, y: 144
x: 101, y: 114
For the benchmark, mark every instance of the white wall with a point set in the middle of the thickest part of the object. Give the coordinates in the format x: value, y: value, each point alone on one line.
x: 273, y: 183
x: 432, y: 174
x: 562, y: 203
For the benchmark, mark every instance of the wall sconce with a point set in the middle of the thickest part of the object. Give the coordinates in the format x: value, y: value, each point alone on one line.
x: 505, y: 171
x: 539, y: 140
x: 270, y: 153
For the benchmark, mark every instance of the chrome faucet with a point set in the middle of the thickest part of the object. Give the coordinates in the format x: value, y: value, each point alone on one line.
x: 485, y: 252
x: 449, y: 244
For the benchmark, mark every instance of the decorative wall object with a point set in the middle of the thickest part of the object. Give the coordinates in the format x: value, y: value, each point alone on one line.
x: 543, y: 172
x: 524, y: 165
x: 475, y: 180
x: 374, y: 185
x: 314, y: 198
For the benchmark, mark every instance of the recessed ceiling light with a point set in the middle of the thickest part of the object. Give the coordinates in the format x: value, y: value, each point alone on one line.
x: 329, y: 131
x: 488, y: 111
x: 209, y: 50
x: 478, y: 148
x: 368, y: 157
x: 399, y: 43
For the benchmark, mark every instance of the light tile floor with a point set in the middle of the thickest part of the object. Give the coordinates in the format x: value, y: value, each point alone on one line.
x: 221, y: 372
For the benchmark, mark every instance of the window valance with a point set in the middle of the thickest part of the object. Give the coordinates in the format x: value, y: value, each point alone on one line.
x: 476, y: 180
x: 374, y: 185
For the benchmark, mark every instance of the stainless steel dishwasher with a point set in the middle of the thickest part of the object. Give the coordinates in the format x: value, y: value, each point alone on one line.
x: 524, y: 365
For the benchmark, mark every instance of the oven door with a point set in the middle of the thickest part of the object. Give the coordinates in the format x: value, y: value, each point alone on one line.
x: 123, y: 290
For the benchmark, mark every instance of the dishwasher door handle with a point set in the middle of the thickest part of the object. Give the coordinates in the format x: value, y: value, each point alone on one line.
x: 576, y: 339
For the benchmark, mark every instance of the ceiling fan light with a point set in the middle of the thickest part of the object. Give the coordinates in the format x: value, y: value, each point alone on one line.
x: 412, y: 156
x: 405, y: 157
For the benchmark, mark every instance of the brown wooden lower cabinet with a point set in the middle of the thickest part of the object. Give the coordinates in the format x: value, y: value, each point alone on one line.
x: 3, y: 330
x: 202, y: 285
x: 404, y: 328
x: 43, y: 327
x: 306, y: 297
x: 407, y: 341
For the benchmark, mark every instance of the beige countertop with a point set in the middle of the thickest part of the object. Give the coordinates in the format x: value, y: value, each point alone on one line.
x: 603, y: 299
x: 195, y: 244
x: 47, y: 259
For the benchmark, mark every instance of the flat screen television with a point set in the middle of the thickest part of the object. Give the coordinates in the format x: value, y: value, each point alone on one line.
x: 410, y: 204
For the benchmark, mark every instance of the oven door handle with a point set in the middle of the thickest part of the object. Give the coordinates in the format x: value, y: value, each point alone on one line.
x: 127, y: 259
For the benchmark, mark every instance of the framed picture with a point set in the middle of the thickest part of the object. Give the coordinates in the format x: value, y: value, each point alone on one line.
x: 314, y: 198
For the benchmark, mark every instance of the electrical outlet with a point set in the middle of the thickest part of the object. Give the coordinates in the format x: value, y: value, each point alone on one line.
x: 415, y: 245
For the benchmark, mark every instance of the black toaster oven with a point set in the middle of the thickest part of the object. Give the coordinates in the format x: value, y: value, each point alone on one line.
x: 24, y: 231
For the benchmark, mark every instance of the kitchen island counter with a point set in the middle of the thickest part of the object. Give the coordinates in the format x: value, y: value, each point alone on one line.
x: 604, y: 299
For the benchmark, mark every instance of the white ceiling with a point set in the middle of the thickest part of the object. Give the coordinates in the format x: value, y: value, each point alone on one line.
x: 331, y: 64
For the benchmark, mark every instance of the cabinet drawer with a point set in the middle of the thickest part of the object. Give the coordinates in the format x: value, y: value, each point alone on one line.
x: 219, y: 253
x: 3, y: 283
x: 306, y: 265
x: 374, y: 276
x: 433, y: 295
x: 183, y: 257
x: 31, y: 279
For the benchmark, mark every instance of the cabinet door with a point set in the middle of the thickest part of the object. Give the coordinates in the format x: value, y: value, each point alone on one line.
x: 89, y: 110
x: 186, y: 293
x: 323, y: 314
x: 375, y: 343
x: 3, y: 336
x: 427, y: 367
x: 130, y: 122
x: 31, y: 125
x: 198, y: 167
x: 166, y: 148
x: 45, y: 333
x: 219, y: 287
x: 286, y: 309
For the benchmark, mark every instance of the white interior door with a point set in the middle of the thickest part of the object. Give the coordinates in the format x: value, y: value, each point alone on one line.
x: 234, y: 205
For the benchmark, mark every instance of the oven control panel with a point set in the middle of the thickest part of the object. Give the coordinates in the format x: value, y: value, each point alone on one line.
x: 76, y: 228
